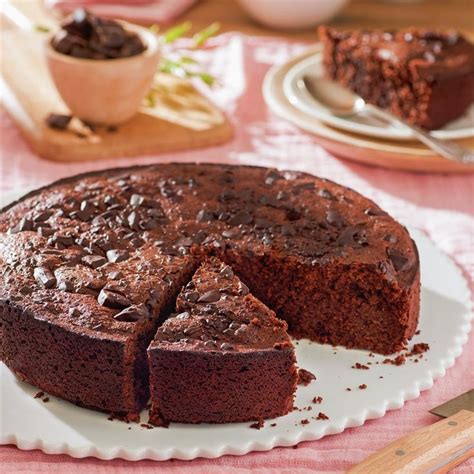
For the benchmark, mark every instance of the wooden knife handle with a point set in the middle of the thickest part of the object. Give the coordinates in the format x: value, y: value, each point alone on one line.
x: 437, y: 448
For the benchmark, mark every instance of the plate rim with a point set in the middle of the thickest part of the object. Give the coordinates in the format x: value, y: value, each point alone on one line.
x: 288, y: 85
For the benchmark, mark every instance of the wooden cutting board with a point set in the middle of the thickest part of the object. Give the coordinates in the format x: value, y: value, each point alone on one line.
x: 182, y: 118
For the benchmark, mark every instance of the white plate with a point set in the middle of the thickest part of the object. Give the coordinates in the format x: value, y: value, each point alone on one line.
x: 61, y: 428
x: 363, y: 125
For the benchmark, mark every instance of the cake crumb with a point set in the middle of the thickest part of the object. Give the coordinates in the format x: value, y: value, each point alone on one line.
x: 304, y: 422
x: 258, y: 424
x: 305, y: 377
x: 348, y: 389
x: 322, y: 416
x: 317, y: 399
x: 45, y: 399
x: 39, y: 395
x: 158, y: 421
x: 419, y: 348
x: 417, y: 332
x: 129, y: 427
x: 273, y: 424
x: 360, y: 366
x: 147, y: 426
x: 362, y: 386
x: 399, y: 360
x: 380, y: 376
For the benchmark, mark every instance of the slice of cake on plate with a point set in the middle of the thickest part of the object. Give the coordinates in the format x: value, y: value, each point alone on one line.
x: 425, y: 77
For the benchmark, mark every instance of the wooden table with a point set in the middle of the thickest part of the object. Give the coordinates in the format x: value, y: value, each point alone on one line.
x: 457, y: 14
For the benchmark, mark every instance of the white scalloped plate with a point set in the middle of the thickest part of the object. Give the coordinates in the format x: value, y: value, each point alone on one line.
x: 360, y: 124
x: 61, y: 428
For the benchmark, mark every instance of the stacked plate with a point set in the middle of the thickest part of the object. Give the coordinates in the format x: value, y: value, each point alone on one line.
x: 359, y: 138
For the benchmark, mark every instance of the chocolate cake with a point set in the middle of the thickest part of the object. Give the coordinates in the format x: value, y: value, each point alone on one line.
x: 224, y: 357
x: 92, y: 265
x: 425, y: 77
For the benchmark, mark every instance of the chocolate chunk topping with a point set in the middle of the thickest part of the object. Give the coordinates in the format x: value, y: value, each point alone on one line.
x: 399, y: 261
x: 44, y: 277
x: 136, y: 200
x: 354, y: 235
x: 184, y: 242
x: 271, y: 177
x: 132, y: 314
x: 390, y: 238
x: 61, y: 241
x: 22, y: 226
x: 112, y: 299
x: 183, y: 315
x: 242, y: 217
x: 326, y: 194
x: 372, y: 211
x: 210, y: 297
x: 334, y: 218
x: 45, y: 231
x: 231, y: 233
x: 116, y: 256
x: 227, y: 272
x: 204, y: 216
x: 133, y: 219
x: 191, y: 296
x: 94, y: 261
x: 43, y: 216
x: 65, y: 285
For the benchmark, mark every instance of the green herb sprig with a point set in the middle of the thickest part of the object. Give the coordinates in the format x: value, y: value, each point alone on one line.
x: 183, y: 65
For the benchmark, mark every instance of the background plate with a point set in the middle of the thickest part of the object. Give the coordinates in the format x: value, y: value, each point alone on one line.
x: 407, y: 155
x: 462, y: 127
x: 61, y: 428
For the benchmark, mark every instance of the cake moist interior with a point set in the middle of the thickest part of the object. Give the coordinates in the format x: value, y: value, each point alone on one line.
x: 97, y: 266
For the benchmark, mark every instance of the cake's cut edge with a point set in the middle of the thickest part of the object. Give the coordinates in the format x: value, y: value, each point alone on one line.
x: 224, y: 358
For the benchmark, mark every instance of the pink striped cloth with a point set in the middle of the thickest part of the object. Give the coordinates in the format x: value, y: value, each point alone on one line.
x: 440, y: 205
x: 149, y: 11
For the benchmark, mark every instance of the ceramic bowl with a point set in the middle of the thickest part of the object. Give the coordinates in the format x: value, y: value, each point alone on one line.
x: 292, y: 14
x: 105, y: 91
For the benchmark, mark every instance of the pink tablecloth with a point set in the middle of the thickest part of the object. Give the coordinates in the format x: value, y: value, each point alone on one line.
x: 441, y: 205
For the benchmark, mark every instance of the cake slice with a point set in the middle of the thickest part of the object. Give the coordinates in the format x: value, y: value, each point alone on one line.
x: 422, y: 76
x: 224, y: 357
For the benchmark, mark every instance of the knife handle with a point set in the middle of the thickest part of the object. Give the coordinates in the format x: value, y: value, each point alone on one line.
x: 437, y: 448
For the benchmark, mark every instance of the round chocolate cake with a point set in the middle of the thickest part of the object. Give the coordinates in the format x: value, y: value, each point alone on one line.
x: 182, y: 280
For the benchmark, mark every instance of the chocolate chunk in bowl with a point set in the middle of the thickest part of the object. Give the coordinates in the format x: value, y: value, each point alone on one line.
x: 84, y: 35
x: 102, y: 68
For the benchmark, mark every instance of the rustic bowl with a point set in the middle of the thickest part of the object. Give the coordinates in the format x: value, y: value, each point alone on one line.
x: 292, y: 14
x: 105, y: 91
